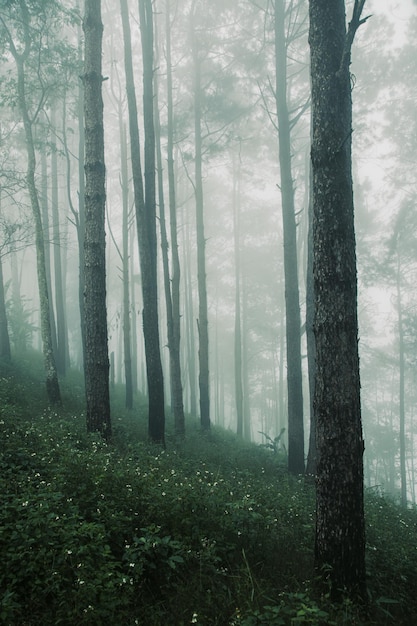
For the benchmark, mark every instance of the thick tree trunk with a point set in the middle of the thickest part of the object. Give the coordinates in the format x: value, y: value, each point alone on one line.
x: 292, y: 300
x: 340, y: 529
x: 311, y: 342
x: 96, y: 342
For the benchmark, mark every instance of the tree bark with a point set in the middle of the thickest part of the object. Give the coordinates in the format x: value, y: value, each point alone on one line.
x: 202, y: 322
x: 171, y: 286
x: 61, y: 325
x: 401, y: 358
x: 311, y: 343
x: 146, y: 212
x: 238, y: 369
x: 5, y: 352
x: 292, y: 299
x: 177, y: 391
x: 127, y: 349
x: 340, y: 529
x: 149, y: 239
x: 52, y: 384
x: 96, y: 341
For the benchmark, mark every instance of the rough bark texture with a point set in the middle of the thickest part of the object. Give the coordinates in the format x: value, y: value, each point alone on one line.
x: 96, y: 343
x: 340, y: 535
x: 311, y: 342
x: 292, y: 299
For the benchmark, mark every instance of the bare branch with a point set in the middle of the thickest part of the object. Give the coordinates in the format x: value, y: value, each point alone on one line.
x: 354, y: 24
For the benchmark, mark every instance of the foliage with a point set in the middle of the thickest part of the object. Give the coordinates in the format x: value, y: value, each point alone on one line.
x: 210, y: 531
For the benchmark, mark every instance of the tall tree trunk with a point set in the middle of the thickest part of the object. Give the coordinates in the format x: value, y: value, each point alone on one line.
x: 401, y: 356
x: 203, y: 345
x: 311, y: 343
x: 146, y: 212
x: 238, y: 322
x: 5, y: 352
x: 247, y: 431
x: 52, y: 385
x: 134, y: 338
x: 340, y: 527
x: 189, y: 322
x: 177, y: 392
x: 44, y: 202
x: 149, y: 276
x: 81, y: 203
x: 61, y: 326
x: 127, y: 349
x: 96, y: 341
x: 292, y: 300
x: 171, y: 287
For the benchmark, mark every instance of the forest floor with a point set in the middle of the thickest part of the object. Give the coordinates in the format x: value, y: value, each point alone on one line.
x: 209, y: 531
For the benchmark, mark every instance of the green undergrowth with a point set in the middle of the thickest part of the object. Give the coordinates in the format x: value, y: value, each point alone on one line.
x: 209, y: 531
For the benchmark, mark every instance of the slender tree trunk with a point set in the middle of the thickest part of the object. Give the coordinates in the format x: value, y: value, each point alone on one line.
x: 81, y: 205
x: 340, y: 527
x: 177, y: 392
x: 127, y: 350
x: 146, y: 212
x: 292, y: 300
x: 238, y: 323
x: 44, y: 202
x: 96, y: 342
x: 5, y: 352
x: 61, y: 326
x: 403, y: 474
x: 247, y: 434
x: 149, y: 276
x: 134, y: 342
x: 52, y: 385
x: 202, y: 322
x: 189, y: 324
x: 173, y: 326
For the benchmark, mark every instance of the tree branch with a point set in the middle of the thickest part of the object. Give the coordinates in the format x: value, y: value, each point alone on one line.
x: 354, y: 24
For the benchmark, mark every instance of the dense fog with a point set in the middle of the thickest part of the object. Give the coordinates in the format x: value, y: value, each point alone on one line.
x: 233, y: 44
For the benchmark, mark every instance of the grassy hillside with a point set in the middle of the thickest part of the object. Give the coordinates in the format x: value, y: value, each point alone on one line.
x: 212, y: 531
